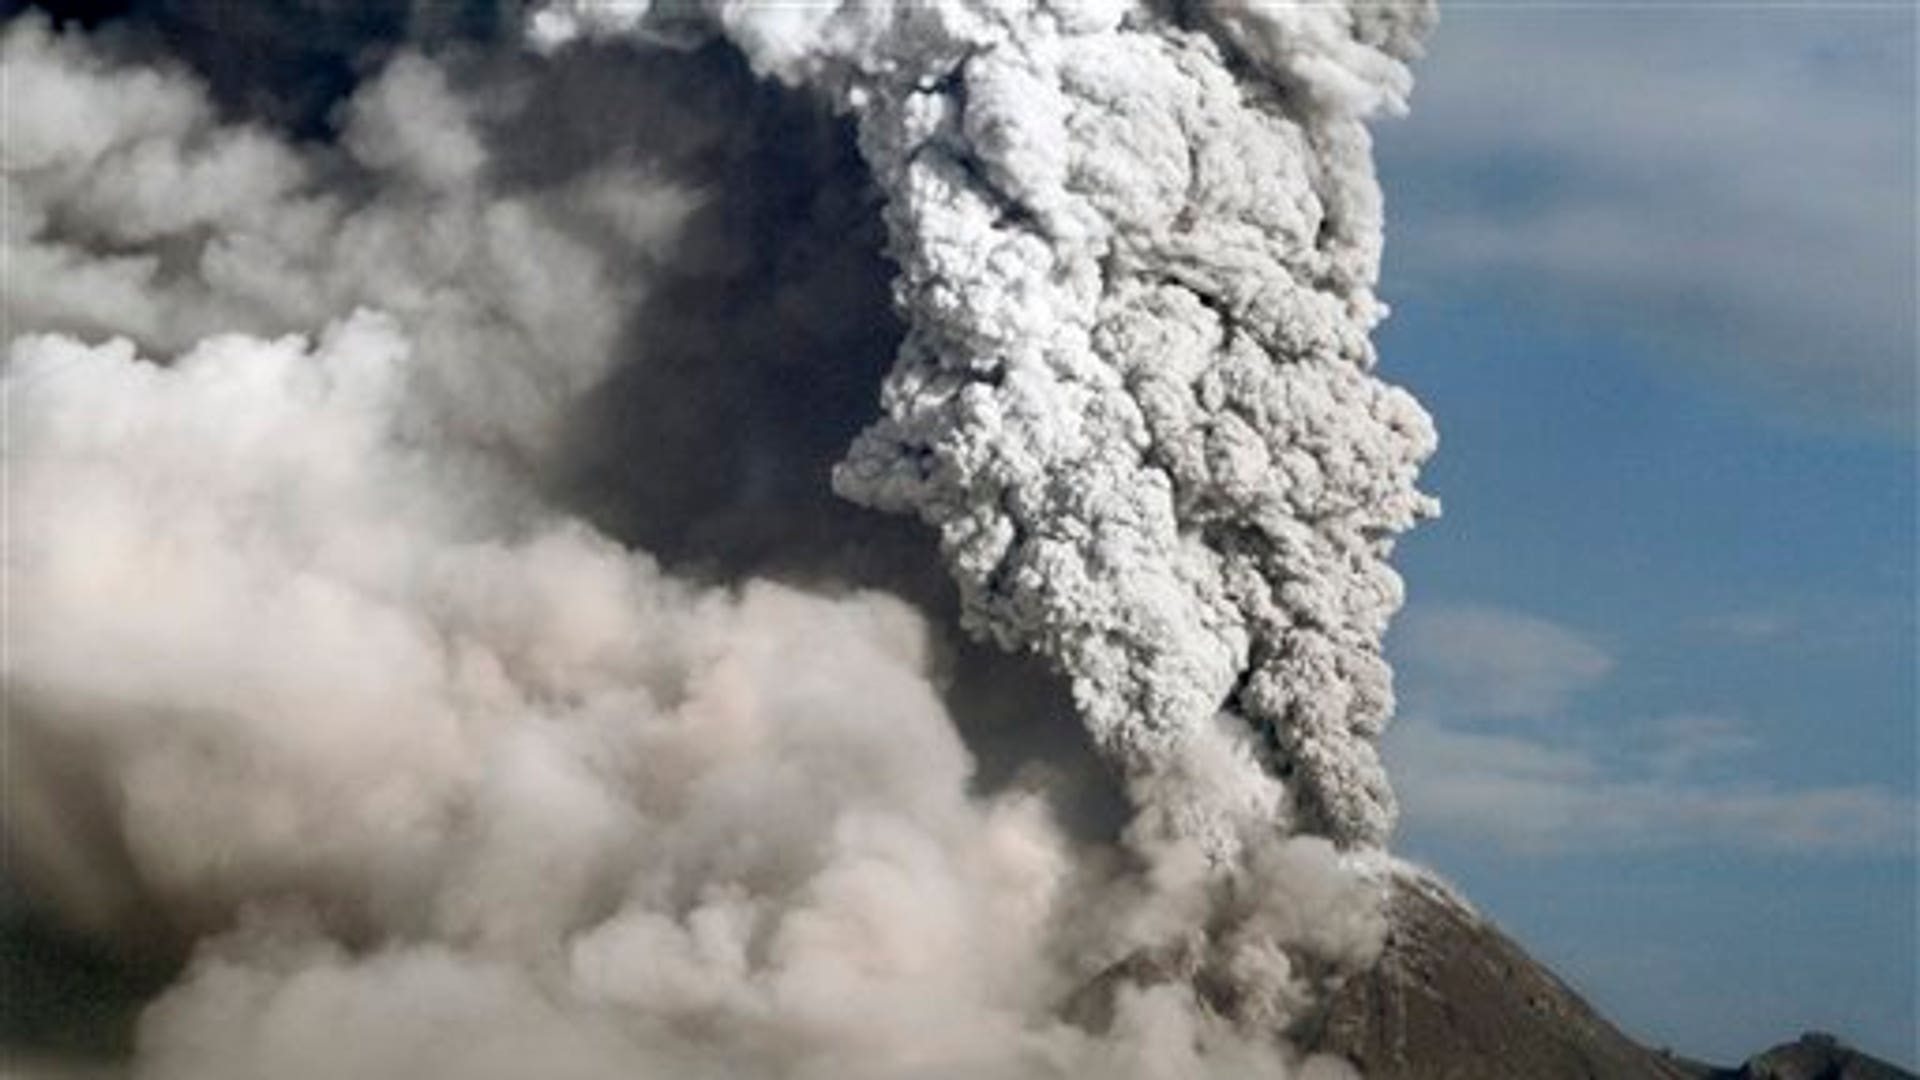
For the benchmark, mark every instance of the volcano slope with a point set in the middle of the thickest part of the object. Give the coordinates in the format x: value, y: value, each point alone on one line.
x: 1454, y: 998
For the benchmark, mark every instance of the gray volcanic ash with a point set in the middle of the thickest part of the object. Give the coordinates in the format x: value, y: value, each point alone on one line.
x: 429, y: 630
x: 1136, y: 263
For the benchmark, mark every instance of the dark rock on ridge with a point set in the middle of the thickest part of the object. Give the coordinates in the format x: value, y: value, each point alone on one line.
x: 1813, y: 1056
x: 1454, y: 998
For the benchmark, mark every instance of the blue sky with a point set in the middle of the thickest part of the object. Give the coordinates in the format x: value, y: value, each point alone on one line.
x: 1652, y: 269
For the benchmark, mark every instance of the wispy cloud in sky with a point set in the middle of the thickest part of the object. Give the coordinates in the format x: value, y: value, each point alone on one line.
x: 1494, y: 664
x: 1749, y: 626
x: 1491, y: 749
x: 1735, y: 184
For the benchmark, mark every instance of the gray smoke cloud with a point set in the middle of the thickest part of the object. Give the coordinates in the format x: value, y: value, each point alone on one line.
x: 1136, y: 255
x: 432, y: 630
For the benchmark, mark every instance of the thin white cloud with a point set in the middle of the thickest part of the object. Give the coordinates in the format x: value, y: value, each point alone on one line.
x: 1487, y: 751
x: 1685, y: 743
x: 1531, y: 798
x: 1749, y: 626
x: 1491, y: 663
x: 1735, y: 183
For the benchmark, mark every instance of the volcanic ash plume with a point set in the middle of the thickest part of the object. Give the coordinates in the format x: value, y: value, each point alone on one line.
x: 327, y: 687
x: 1136, y: 258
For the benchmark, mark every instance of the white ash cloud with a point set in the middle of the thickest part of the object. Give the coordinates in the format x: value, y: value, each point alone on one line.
x: 1136, y: 399
x: 535, y: 782
x: 155, y: 220
x: 315, y: 671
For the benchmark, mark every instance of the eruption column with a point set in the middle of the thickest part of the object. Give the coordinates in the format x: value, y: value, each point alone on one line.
x: 321, y: 685
x: 1136, y: 250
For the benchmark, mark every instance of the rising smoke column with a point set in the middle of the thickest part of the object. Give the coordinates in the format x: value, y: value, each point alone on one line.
x: 1137, y: 247
x: 317, y: 675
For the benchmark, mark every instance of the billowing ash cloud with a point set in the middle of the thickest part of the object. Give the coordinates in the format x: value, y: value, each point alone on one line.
x: 1136, y: 258
x: 431, y: 630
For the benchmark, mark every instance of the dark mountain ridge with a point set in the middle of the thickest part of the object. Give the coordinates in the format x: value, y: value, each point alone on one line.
x: 1454, y: 998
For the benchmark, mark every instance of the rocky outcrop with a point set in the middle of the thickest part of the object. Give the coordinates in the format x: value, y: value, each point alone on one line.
x: 1453, y: 997
x: 1813, y: 1056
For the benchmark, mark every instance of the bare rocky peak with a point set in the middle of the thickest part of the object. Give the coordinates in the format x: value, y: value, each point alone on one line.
x: 1454, y: 997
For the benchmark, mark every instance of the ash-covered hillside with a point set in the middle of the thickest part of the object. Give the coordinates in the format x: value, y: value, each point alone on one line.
x: 1454, y: 998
